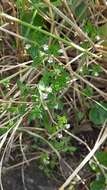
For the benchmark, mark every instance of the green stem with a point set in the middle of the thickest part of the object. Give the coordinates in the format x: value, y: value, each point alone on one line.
x: 71, y: 44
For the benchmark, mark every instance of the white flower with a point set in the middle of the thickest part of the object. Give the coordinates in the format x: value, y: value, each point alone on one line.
x: 60, y: 135
x: 50, y: 60
x: 48, y: 89
x: 61, y: 51
x: 96, y: 74
x: 46, y: 108
x: 41, y: 86
x: 45, y: 47
x: 98, y: 38
x: 67, y: 126
x: 46, y: 161
x: 56, y: 106
x: 44, y: 96
x: 28, y: 46
x: 44, y: 88
x: 42, y: 53
x: 81, y: 69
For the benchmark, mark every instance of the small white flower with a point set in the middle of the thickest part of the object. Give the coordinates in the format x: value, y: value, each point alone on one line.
x: 61, y: 51
x: 45, y: 47
x: 41, y: 86
x: 81, y: 69
x: 48, y: 89
x: 60, y: 135
x: 44, y: 96
x: 96, y: 74
x: 98, y: 175
x: 46, y: 161
x: 42, y: 53
x: 46, y: 108
x: 50, y: 60
x: 98, y: 38
x: 34, y: 96
x: 8, y: 86
x: 56, y: 106
x: 67, y: 126
x: 27, y: 46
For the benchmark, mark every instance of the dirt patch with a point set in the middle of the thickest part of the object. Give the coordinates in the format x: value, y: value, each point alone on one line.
x: 31, y: 178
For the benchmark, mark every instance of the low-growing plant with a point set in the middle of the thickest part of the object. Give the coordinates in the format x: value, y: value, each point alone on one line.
x: 54, y: 78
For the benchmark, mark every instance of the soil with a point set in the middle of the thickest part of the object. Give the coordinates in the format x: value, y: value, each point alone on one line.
x: 30, y: 177
x: 34, y: 179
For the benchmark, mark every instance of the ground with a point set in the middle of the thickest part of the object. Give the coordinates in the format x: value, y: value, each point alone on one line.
x: 35, y: 179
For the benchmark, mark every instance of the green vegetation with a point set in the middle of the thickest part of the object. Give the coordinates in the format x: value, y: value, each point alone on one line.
x: 53, y: 82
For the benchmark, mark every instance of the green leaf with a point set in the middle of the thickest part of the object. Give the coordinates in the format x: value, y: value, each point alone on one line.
x: 6, y: 82
x: 95, y: 69
x: 80, y: 8
x: 84, y: 70
x: 94, y: 166
x: 102, y: 157
x: 22, y: 108
x: 53, y: 49
x: 90, y: 29
x: 28, y: 16
x: 80, y: 11
x: 98, y: 113
x: 80, y: 115
x: 38, y: 37
x: 63, y: 145
x: 37, y: 61
x: 51, y: 129
x: 98, y: 184
x: 62, y: 120
x: 36, y: 20
x: 60, y: 81
x: 88, y: 91
x: 69, y: 149
x: 33, y: 51
x: 45, y: 158
x: 36, y: 113
x: 3, y: 130
x: 39, y: 3
x: 24, y: 89
x: 13, y: 109
x: 103, y: 31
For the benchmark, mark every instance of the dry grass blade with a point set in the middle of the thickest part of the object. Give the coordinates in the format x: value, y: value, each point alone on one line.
x: 86, y: 159
x: 73, y: 24
x: 8, y: 146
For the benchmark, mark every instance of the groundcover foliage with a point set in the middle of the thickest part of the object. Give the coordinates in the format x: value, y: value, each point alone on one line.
x: 53, y: 80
